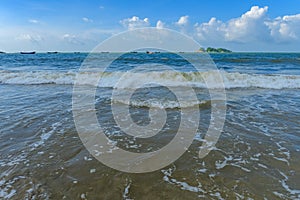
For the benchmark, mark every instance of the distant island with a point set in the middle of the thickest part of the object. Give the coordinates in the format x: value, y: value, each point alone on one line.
x: 214, y: 50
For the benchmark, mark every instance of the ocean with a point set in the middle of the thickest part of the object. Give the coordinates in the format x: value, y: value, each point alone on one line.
x: 257, y: 155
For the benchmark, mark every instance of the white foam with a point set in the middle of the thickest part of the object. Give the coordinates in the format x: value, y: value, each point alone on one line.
x: 202, y: 171
x: 220, y: 165
x: 6, y: 187
x: 283, y: 150
x: 262, y: 165
x: 15, y: 160
x: 126, y: 191
x: 162, y: 104
x: 295, y: 193
x: 183, y: 185
x: 46, y: 135
x: 281, y: 159
x: 168, y: 78
x: 242, y: 168
x: 218, y: 195
x: 83, y: 196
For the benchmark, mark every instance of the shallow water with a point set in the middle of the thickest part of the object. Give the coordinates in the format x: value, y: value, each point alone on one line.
x: 257, y: 155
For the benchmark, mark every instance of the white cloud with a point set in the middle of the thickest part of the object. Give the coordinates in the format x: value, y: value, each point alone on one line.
x: 253, y: 30
x: 183, y: 20
x: 72, y: 39
x: 30, y: 38
x: 160, y: 24
x: 135, y: 22
x: 248, y: 27
x: 34, y: 21
x: 85, y: 19
x: 286, y: 28
x: 252, y: 27
x: 212, y: 30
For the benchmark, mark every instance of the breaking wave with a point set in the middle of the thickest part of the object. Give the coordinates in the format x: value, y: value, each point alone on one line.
x: 169, y: 78
x: 163, y: 104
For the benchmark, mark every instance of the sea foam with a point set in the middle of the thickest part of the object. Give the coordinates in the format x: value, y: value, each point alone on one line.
x: 168, y: 78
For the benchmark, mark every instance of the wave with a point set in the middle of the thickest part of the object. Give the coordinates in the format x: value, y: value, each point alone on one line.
x: 167, y: 78
x: 163, y: 104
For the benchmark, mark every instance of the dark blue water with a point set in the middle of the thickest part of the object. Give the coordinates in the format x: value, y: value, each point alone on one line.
x: 253, y: 63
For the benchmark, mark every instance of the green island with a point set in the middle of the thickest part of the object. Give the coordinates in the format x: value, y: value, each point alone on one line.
x: 214, y: 50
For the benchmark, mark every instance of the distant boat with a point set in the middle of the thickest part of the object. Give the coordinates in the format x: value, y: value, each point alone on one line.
x: 52, y: 52
x: 27, y: 52
x: 2, y: 52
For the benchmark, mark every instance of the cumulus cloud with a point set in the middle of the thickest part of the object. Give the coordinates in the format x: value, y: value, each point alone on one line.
x: 183, y: 20
x: 214, y: 29
x: 252, y: 26
x: 160, y: 24
x: 248, y: 27
x: 286, y: 28
x: 135, y: 22
x: 85, y: 19
x: 252, y: 30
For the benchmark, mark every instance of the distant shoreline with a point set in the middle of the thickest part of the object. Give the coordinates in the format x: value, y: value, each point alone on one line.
x: 214, y: 50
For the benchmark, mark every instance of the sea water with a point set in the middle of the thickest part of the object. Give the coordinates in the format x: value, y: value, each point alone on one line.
x: 256, y: 156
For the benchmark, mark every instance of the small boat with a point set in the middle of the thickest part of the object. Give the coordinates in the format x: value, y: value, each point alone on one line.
x: 52, y: 52
x: 2, y: 52
x: 27, y: 52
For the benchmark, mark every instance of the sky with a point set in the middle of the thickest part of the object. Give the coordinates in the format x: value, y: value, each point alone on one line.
x: 76, y: 25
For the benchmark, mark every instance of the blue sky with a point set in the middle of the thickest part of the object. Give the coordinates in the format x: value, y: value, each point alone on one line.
x: 78, y: 25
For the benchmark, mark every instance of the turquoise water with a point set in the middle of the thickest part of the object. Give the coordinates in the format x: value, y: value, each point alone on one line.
x: 257, y: 155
